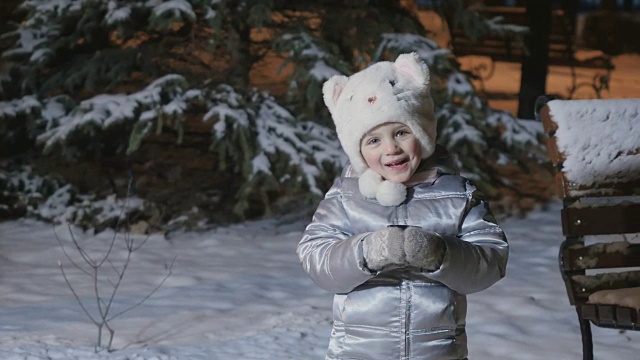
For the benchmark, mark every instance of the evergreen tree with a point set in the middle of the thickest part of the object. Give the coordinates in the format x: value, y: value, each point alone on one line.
x: 81, y: 73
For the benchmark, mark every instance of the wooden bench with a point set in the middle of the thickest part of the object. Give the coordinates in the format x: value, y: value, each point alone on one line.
x: 562, y: 49
x: 595, y: 148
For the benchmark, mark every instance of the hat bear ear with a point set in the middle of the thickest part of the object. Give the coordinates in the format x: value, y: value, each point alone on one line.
x: 412, y: 68
x: 332, y: 89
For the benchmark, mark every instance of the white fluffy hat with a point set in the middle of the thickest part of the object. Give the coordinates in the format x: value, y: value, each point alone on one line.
x: 384, y: 92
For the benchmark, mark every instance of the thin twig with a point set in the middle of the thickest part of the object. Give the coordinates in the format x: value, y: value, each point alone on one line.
x: 73, y: 291
x: 64, y: 250
x: 96, y: 290
x: 117, y: 285
x: 142, y: 243
x: 117, y: 227
x: 113, y: 241
x: 111, y: 333
x: 113, y: 267
x: 150, y: 294
x: 84, y: 254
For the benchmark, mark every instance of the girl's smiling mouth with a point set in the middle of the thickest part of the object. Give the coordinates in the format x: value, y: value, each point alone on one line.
x: 397, y: 164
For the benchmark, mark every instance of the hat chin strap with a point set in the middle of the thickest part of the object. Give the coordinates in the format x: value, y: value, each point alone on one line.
x: 387, y: 193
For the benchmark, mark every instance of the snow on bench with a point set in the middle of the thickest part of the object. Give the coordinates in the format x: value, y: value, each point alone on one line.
x: 596, y: 138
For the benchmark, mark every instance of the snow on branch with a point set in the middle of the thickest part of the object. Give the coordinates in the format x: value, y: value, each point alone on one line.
x: 32, y: 114
x: 118, y: 12
x: 319, y: 56
x: 497, y: 26
x: 40, y: 38
x: 165, y: 15
x: 278, y: 136
x: 278, y: 131
x: 104, y: 111
x: 23, y: 106
x: 475, y: 25
x: 48, y: 198
x: 315, y: 61
x: 254, y: 136
x: 41, y: 28
x: 520, y: 133
x: 459, y: 128
x: 427, y: 49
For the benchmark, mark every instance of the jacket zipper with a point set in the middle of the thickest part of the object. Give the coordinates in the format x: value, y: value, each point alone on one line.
x: 401, y: 219
x: 405, y: 216
x: 401, y: 215
x: 405, y: 295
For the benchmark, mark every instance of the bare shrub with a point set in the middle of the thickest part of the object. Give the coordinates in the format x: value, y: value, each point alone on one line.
x: 105, y: 273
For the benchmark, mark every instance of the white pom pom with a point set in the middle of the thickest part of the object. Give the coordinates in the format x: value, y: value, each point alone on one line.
x: 368, y: 183
x: 391, y: 193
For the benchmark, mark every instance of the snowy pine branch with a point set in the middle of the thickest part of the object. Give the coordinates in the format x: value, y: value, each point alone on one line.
x: 255, y: 138
x: 165, y: 15
x: 122, y: 71
x: 394, y: 44
x: 263, y: 142
x: 52, y: 28
x: 315, y: 60
x: 163, y: 101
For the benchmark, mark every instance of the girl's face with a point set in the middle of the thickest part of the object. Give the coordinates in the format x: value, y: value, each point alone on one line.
x: 391, y: 150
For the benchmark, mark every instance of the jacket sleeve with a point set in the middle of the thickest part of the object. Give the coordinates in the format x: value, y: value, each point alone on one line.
x: 477, y: 257
x: 329, y: 252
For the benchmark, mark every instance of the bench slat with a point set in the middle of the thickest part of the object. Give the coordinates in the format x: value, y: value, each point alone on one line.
x: 601, y: 256
x: 610, y: 316
x: 621, y: 219
x: 627, y: 315
x: 585, y: 285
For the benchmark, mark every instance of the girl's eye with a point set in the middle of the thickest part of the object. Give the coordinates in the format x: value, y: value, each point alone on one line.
x: 401, y: 133
x: 372, y: 141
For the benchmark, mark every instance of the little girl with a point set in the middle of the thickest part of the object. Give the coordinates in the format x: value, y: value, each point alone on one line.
x: 399, y: 238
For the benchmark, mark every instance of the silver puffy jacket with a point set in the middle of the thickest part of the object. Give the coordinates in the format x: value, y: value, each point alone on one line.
x: 402, y: 313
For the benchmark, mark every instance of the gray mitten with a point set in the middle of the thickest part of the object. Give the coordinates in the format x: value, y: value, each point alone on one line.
x: 384, y: 247
x: 424, y: 249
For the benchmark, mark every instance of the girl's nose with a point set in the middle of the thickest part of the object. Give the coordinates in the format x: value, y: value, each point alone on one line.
x: 393, y: 148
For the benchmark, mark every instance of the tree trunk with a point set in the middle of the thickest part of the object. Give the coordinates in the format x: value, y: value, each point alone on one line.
x: 239, y: 47
x: 535, y: 63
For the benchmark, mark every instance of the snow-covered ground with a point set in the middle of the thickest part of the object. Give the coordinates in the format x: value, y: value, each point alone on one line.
x: 238, y: 292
